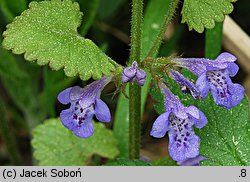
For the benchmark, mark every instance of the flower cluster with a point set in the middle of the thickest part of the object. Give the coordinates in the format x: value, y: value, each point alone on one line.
x: 177, y: 120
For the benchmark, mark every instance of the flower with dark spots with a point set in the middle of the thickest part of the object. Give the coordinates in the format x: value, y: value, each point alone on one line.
x: 214, y: 76
x: 192, y: 161
x: 85, y: 103
x: 225, y: 93
x: 134, y: 74
x: 178, y: 121
x: 184, y: 82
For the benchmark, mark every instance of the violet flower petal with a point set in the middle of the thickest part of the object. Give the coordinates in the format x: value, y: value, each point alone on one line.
x: 64, y: 96
x: 102, y: 111
x: 94, y: 89
x: 196, y: 65
x: 197, y: 117
x: 134, y: 74
x: 87, y: 101
x: 192, y: 161
x: 180, y: 150
x: 183, y: 81
x: 140, y: 77
x: 200, y: 65
x: 203, y: 85
x: 66, y: 117
x: 183, y: 143
x: 128, y: 74
x: 171, y: 103
x: 193, y: 111
x: 226, y: 57
x: 224, y: 92
x: 86, y: 129
x: 237, y: 91
x: 160, y: 126
x: 232, y: 69
x: 76, y: 93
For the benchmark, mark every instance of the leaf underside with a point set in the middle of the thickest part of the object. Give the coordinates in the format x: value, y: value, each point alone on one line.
x: 200, y: 14
x: 55, y: 145
x: 47, y: 32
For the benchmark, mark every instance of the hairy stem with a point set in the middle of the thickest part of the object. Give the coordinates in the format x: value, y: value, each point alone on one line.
x: 136, y: 26
x: 135, y: 90
x: 134, y: 121
x: 168, y: 17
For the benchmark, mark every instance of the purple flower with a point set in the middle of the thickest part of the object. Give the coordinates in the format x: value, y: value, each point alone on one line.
x: 184, y: 82
x: 225, y: 93
x: 85, y: 103
x: 214, y: 76
x: 134, y: 74
x: 192, y: 161
x: 178, y: 120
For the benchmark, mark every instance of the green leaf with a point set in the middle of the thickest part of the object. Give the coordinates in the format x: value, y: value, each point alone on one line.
x: 158, y: 97
x: 225, y: 140
x: 89, y: 9
x: 165, y: 161
x: 121, y: 124
x: 8, y: 137
x: 16, y: 80
x: 16, y: 8
x: 153, y: 20
x: 200, y: 14
x: 213, y: 41
x: 11, y: 8
x: 127, y: 162
x: 46, y: 32
x: 55, y: 145
x: 21, y: 86
x: 108, y: 7
x: 8, y: 15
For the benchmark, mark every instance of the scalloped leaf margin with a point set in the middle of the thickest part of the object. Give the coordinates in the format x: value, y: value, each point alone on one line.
x: 200, y: 14
x: 47, y: 32
x: 55, y: 145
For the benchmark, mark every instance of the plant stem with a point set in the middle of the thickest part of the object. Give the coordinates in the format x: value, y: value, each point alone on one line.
x: 9, y: 138
x: 136, y: 31
x: 134, y: 121
x: 168, y: 17
x: 135, y: 90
